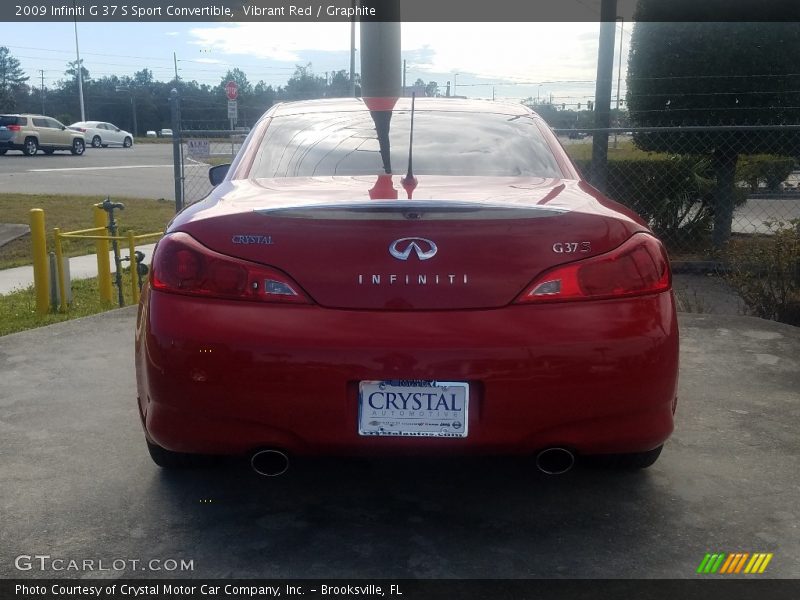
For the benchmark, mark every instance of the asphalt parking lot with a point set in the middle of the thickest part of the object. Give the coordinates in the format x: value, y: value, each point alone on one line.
x: 78, y: 483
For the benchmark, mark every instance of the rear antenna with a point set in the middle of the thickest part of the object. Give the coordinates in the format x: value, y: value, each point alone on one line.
x: 409, y: 182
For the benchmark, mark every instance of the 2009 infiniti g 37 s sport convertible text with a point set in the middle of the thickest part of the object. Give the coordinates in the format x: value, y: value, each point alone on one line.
x: 395, y: 276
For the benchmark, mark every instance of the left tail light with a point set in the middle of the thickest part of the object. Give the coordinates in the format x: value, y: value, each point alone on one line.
x: 182, y: 265
x: 637, y: 267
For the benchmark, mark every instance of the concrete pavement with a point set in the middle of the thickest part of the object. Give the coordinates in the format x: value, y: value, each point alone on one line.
x: 78, y: 484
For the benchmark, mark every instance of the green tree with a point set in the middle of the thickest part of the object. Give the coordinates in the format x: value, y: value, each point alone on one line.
x: 339, y: 86
x: 238, y: 76
x: 304, y: 85
x: 432, y: 89
x: 12, y: 79
x: 685, y: 72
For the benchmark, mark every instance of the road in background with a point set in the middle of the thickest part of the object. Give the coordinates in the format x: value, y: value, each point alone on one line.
x: 143, y: 171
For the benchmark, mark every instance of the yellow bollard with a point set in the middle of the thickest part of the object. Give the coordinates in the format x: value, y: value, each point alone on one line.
x: 134, y: 270
x: 103, y: 261
x: 41, y: 277
x: 62, y: 288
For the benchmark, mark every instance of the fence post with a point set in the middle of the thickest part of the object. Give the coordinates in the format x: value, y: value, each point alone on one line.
x: 41, y: 280
x: 134, y: 270
x: 103, y: 261
x: 62, y: 288
x: 175, y: 112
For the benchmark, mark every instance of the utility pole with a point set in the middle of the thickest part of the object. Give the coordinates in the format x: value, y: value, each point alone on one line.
x: 80, y: 64
x: 353, y: 52
x: 42, y: 72
x: 602, y: 95
x: 175, y: 60
x: 619, y: 69
x: 455, y: 83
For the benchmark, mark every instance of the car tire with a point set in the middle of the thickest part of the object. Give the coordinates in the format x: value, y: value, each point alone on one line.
x: 96, y: 142
x: 634, y: 460
x: 127, y: 142
x: 30, y: 146
x: 3, y: 151
x: 78, y: 147
x: 166, y: 459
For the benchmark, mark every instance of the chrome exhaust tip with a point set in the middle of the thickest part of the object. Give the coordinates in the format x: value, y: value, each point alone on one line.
x: 270, y: 463
x: 555, y: 461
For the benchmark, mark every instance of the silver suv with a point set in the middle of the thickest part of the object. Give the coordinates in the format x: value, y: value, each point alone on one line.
x: 31, y: 133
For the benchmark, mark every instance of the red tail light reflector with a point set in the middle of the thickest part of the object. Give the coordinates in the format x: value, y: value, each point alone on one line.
x: 182, y: 265
x: 637, y: 267
x: 14, y: 128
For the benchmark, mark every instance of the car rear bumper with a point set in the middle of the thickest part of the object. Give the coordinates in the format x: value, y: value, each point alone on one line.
x: 230, y: 377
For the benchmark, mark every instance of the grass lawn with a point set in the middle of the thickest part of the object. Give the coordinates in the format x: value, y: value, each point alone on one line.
x: 71, y: 213
x: 625, y: 150
x: 18, y: 309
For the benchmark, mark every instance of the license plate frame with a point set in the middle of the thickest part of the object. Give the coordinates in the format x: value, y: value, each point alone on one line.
x: 428, y: 408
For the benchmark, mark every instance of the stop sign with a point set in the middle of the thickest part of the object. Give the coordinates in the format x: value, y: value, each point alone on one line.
x: 232, y: 90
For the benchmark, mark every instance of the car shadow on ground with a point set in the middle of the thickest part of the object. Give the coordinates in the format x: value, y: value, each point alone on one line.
x: 486, y: 517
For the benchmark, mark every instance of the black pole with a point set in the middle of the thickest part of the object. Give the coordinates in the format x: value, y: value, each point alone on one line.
x: 175, y: 111
x: 602, y: 94
x: 133, y: 107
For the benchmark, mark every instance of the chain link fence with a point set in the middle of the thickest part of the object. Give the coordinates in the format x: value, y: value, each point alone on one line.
x: 201, y: 150
x: 698, y: 187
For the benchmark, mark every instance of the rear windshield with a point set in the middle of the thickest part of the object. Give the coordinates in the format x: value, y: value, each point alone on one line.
x: 6, y: 120
x: 445, y: 143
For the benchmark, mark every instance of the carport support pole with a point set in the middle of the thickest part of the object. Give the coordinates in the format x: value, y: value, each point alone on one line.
x: 175, y: 111
x: 103, y: 261
x: 41, y: 278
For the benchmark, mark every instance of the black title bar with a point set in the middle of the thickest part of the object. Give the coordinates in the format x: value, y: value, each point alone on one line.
x: 376, y: 10
x: 708, y: 588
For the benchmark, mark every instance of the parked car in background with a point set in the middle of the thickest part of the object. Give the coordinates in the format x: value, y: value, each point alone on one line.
x: 165, y: 133
x: 151, y: 133
x: 101, y: 134
x: 323, y: 301
x: 31, y: 133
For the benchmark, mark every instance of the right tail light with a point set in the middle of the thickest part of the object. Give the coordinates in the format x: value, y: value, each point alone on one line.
x: 637, y: 267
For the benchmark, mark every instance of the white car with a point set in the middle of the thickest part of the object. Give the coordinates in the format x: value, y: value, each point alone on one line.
x: 102, y: 134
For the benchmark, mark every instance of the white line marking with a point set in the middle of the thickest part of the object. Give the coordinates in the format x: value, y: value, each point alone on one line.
x: 100, y: 168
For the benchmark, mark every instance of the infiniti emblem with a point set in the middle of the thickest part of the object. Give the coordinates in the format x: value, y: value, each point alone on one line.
x: 401, y: 249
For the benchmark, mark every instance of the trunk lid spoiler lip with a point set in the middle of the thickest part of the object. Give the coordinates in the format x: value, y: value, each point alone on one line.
x: 412, y: 210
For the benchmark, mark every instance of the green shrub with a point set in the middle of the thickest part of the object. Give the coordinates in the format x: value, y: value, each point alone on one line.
x: 672, y: 193
x: 764, y: 169
x: 765, y: 271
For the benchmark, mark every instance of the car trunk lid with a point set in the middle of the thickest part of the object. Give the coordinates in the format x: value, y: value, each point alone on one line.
x: 451, y: 247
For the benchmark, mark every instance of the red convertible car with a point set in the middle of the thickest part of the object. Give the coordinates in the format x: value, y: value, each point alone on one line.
x: 395, y: 276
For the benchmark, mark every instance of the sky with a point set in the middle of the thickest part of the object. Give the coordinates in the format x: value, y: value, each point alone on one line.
x: 511, y: 60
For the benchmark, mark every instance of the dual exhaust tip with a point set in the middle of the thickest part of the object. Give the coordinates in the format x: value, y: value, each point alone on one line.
x: 270, y: 463
x: 555, y: 461
x: 551, y: 461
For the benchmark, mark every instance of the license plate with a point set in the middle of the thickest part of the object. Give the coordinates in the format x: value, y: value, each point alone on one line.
x: 413, y: 408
